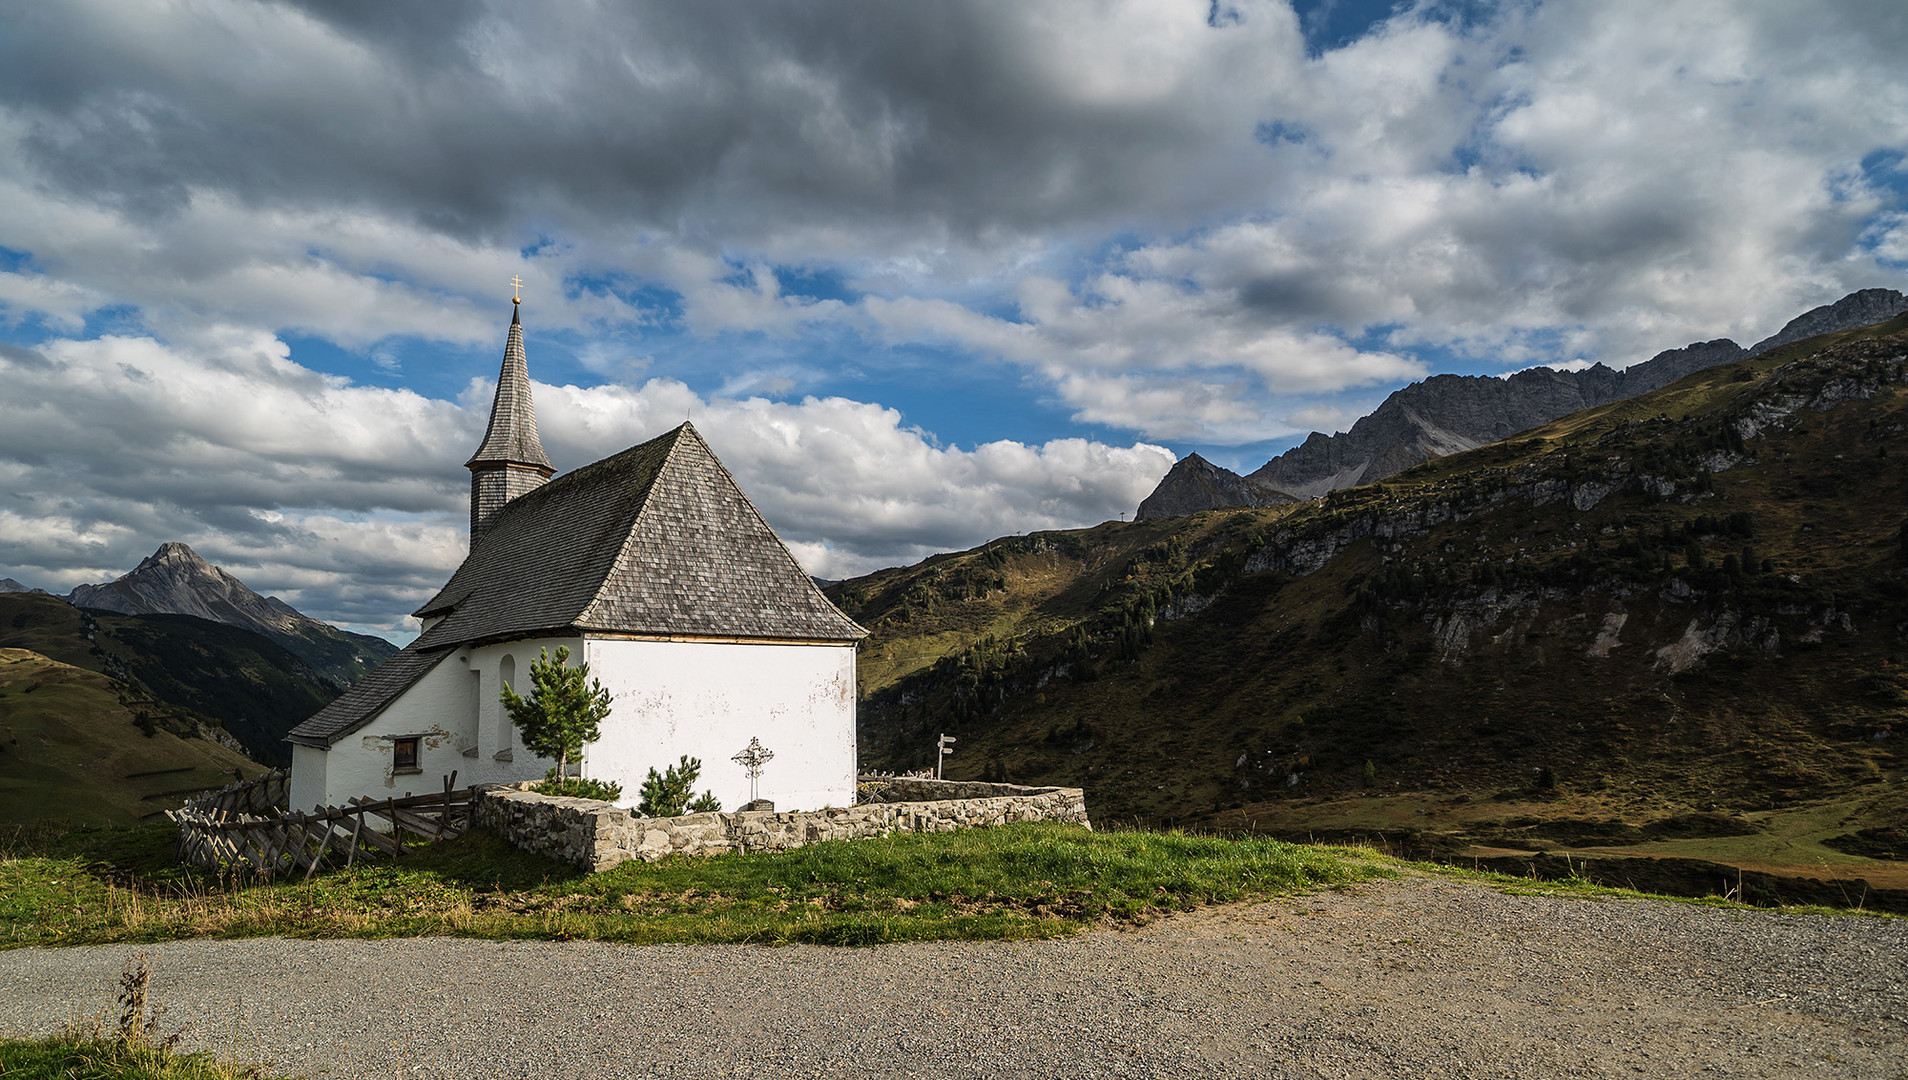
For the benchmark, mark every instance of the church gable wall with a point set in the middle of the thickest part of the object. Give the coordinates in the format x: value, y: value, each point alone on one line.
x: 708, y: 699
x: 460, y: 726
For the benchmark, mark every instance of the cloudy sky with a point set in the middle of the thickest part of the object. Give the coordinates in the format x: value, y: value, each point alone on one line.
x: 923, y: 273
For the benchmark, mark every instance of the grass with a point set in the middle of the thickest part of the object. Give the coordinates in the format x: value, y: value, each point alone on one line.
x: 1580, y: 888
x: 73, y: 1056
x: 1786, y: 842
x: 72, y: 747
x: 1014, y: 882
x: 1790, y: 841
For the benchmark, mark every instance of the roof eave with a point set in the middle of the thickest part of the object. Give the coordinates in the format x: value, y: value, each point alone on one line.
x: 831, y: 638
x: 548, y: 470
x: 567, y: 630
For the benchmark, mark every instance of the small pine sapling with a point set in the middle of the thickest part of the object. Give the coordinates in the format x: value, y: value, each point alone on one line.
x: 565, y: 710
x: 671, y: 794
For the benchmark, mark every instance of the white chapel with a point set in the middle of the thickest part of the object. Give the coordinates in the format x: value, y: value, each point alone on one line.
x: 654, y: 569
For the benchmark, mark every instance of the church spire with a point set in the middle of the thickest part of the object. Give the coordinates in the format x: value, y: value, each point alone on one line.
x: 511, y: 461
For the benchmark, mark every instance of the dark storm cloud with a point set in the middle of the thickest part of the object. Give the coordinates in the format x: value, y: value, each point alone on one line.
x: 942, y: 114
x: 23, y: 356
x: 1302, y: 298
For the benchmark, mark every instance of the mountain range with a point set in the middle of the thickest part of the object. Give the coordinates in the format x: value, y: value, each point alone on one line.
x: 185, y: 641
x: 1448, y: 414
x: 174, y: 580
x: 1672, y: 625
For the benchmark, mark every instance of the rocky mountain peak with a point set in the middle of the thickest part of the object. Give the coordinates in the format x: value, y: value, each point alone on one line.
x: 172, y: 551
x: 1864, y: 308
x: 1448, y: 414
x: 174, y: 580
x: 1194, y: 484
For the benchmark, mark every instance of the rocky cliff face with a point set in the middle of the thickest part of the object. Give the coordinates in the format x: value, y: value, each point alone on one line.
x: 175, y: 581
x: 1863, y: 308
x: 1195, y: 484
x: 1448, y: 414
x: 8, y: 585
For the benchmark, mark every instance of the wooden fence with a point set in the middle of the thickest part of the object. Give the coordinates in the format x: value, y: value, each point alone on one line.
x: 276, y: 841
x: 266, y: 794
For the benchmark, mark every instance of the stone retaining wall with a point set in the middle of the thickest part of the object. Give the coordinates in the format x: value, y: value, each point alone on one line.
x: 894, y: 789
x: 597, y: 835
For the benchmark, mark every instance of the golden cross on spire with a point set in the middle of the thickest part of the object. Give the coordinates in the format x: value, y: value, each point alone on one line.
x: 516, y: 290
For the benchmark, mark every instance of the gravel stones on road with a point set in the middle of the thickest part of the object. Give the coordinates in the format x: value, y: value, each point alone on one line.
x: 1421, y: 977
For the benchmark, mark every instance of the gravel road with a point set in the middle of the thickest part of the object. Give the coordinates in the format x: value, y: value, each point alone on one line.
x: 1421, y: 977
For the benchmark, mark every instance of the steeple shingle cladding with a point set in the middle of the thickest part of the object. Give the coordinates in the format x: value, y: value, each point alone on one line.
x: 512, y: 434
x: 657, y: 541
x: 510, y: 462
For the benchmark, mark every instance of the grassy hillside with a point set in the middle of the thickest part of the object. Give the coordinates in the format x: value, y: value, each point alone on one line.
x: 234, y: 678
x: 1689, y: 603
x: 338, y: 655
x: 79, y: 747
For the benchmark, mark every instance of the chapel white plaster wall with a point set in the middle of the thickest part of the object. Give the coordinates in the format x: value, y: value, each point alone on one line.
x: 707, y: 699
x: 454, y: 709
x: 307, y: 777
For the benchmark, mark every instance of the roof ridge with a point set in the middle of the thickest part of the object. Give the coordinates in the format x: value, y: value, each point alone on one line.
x: 658, y: 539
x: 531, y: 502
x: 594, y: 614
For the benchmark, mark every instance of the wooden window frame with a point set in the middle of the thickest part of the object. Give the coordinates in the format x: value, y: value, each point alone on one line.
x: 398, y: 746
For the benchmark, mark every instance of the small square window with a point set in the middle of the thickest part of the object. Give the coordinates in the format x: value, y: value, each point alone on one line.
x: 404, y: 754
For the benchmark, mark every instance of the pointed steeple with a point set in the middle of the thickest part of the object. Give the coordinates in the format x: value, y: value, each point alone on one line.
x: 511, y: 460
x: 511, y: 437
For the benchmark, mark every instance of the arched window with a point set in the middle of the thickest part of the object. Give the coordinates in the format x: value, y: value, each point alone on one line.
x: 506, y: 676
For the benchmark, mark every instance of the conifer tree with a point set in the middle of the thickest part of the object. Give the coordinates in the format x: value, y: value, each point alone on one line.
x: 672, y: 792
x: 565, y: 709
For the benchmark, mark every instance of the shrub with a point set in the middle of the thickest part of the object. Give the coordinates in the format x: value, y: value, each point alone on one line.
x: 669, y: 795
x: 577, y: 787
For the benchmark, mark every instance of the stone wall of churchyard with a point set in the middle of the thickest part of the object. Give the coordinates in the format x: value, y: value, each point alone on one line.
x: 597, y: 835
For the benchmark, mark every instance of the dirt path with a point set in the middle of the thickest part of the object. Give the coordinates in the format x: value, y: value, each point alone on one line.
x: 1415, y: 978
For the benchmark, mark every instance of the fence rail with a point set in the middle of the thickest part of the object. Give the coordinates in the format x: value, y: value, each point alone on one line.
x: 265, y: 794
x: 229, y: 827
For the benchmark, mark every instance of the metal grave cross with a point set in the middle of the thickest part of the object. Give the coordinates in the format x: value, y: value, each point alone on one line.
x: 752, y: 758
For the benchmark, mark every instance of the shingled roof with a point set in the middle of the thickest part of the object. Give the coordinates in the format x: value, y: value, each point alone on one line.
x: 359, y: 705
x: 657, y: 540
x: 511, y: 437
